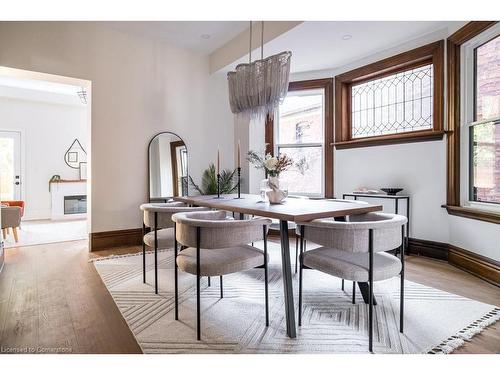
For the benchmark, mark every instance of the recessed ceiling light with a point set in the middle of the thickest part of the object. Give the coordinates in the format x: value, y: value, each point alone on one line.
x: 346, y: 37
x: 205, y: 36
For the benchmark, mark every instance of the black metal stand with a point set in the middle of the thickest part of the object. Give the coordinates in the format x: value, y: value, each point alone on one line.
x: 218, y: 185
x: 239, y: 183
x: 396, y: 199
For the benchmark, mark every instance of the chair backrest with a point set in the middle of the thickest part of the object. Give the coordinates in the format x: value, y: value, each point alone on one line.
x: 352, y: 235
x: 164, y: 213
x: 11, y: 216
x: 217, y: 231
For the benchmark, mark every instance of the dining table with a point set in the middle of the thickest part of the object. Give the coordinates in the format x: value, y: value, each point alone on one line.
x: 290, y: 210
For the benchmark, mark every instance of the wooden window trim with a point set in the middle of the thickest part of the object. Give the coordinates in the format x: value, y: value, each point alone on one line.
x: 430, y: 53
x: 327, y: 85
x: 173, y: 162
x: 453, y: 204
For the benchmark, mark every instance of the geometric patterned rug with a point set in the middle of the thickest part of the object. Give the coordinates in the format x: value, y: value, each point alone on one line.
x: 435, y: 321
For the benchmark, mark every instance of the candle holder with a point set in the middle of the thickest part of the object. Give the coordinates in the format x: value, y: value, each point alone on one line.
x: 218, y: 185
x: 239, y: 183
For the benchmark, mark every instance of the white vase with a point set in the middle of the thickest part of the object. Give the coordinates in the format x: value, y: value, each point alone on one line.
x: 277, y: 192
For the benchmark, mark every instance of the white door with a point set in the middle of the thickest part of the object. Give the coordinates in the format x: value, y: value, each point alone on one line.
x: 10, y: 165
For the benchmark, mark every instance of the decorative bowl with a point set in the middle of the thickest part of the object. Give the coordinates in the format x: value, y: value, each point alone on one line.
x: 391, y: 191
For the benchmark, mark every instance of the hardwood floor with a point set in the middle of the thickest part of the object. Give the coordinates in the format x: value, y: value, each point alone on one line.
x: 52, y: 298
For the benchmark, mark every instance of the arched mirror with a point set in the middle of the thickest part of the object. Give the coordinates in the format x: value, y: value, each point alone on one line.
x: 168, y: 167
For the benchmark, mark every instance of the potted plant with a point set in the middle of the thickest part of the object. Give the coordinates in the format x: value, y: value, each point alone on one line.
x: 209, y: 181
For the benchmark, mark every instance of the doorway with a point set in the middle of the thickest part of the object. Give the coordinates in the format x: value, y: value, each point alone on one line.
x: 44, y: 157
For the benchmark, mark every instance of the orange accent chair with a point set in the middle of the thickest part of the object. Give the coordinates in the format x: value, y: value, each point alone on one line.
x: 16, y: 204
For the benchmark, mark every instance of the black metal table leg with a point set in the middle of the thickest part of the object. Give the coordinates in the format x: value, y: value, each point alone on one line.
x: 364, y: 289
x: 221, y: 287
x: 291, y: 329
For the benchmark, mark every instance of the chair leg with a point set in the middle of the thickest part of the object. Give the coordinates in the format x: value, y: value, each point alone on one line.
x: 402, y: 287
x: 198, y: 277
x: 301, y: 269
x: 14, y: 232
x: 143, y: 255
x: 208, y: 280
x: 296, y: 252
x: 4, y: 233
x: 342, y: 284
x: 353, y: 292
x: 370, y: 280
x: 176, y: 281
x: 156, y: 252
x: 266, y: 276
x: 221, y: 288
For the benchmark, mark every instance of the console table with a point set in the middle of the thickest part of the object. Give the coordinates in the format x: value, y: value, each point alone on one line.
x: 395, y: 198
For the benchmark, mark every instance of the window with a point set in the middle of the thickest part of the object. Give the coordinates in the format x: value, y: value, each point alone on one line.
x: 302, y: 129
x: 398, y: 103
x: 398, y: 99
x: 465, y: 113
x: 481, y: 119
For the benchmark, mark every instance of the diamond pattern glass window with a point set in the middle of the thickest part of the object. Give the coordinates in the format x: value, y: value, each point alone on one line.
x: 398, y: 103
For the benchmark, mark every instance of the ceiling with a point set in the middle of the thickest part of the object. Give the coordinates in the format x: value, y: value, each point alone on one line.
x: 38, y: 90
x: 200, y: 36
x: 318, y: 45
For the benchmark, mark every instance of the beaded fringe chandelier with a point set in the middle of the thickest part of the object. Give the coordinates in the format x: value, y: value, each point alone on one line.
x: 257, y: 88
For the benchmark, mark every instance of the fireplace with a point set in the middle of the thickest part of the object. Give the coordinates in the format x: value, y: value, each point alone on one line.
x: 69, y: 199
x: 75, y: 204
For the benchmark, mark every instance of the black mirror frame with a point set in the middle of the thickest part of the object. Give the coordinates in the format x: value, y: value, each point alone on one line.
x: 164, y: 200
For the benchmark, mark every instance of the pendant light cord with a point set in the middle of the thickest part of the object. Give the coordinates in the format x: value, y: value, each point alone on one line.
x: 250, y: 52
x: 262, y: 41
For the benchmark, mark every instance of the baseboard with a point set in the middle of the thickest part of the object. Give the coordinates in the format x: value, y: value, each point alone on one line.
x: 430, y: 249
x: 485, y: 268
x: 115, y: 238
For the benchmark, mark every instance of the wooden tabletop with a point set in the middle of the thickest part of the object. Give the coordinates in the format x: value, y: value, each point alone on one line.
x: 292, y: 209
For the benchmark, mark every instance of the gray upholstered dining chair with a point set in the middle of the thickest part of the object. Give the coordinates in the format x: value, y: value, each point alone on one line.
x: 356, y: 250
x: 10, y: 218
x: 158, y: 218
x: 297, y: 230
x: 215, y: 245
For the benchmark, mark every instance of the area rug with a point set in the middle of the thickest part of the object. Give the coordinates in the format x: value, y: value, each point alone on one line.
x: 435, y: 321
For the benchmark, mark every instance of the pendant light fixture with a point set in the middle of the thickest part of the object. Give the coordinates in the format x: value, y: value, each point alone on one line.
x: 257, y: 88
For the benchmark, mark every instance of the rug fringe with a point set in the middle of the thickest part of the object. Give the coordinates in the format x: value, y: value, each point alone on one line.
x: 454, y: 342
x: 113, y: 256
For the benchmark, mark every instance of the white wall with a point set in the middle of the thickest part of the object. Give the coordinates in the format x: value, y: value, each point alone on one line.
x: 139, y: 88
x: 47, y: 131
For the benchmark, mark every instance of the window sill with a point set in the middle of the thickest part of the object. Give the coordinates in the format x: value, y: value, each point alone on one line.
x: 418, y: 136
x: 474, y: 213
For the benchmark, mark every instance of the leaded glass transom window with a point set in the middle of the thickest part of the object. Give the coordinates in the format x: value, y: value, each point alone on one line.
x: 398, y: 103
